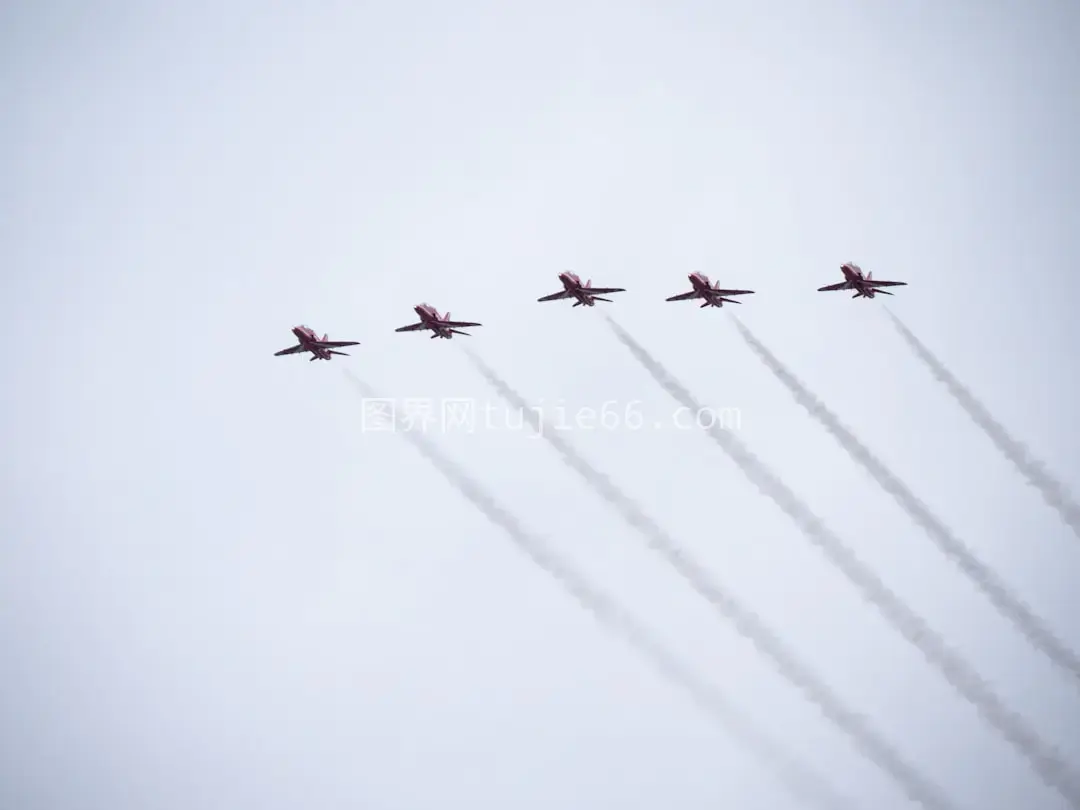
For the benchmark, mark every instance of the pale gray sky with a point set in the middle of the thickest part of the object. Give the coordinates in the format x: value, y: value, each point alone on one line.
x: 218, y: 590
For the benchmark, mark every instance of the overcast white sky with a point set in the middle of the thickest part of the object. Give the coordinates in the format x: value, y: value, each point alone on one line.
x: 217, y: 590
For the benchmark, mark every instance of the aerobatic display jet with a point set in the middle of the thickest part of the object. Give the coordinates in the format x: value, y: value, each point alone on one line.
x: 440, y: 325
x: 320, y: 348
x: 586, y: 294
x: 865, y: 286
x: 711, y: 294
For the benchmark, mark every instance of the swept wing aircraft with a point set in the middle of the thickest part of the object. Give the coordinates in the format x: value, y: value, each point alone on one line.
x: 864, y: 285
x: 320, y: 348
x: 710, y: 293
x: 586, y: 294
x: 440, y: 325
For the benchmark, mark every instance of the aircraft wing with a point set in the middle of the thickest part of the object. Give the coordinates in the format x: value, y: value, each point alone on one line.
x: 683, y: 296
x: 602, y: 290
x: 413, y: 327
x: 840, y: 285
x: 459, y: 323
x: 877, y: 283
x: 732, y: 292
x: 335, y: 344
x: 555, y: 296
x: 291, y: 350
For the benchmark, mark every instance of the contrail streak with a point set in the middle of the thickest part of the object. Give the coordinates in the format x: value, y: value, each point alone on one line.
x: 745, y: 620
x: 965, y: 679
x: 801, y: 782
x: 1010, y: 606
x: 1053, y: 491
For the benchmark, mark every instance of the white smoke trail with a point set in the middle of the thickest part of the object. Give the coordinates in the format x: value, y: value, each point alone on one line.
x: 1012, y: 607
x: 1046, y: 761
x: 800, y: 781
x: 1053, y: 491
x: 745, y: 620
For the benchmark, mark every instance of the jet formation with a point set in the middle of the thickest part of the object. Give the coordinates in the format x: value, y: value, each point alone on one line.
x: 583, y: 295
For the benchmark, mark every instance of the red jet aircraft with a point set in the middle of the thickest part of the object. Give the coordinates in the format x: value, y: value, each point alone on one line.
x: 441, y: 325
x: 865, y: 286
x: 711, y: 293
x: 320, y: 348
x: 586, y: 294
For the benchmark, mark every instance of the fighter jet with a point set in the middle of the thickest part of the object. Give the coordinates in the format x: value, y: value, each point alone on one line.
x: 586, y: 294
x: 320, y: 348
x: 711, y: 294
x: 440, y: 325
x: 865, y: 286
